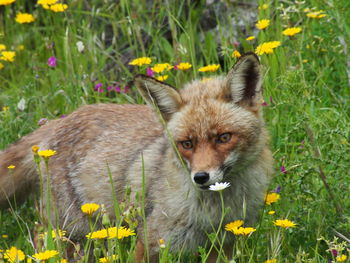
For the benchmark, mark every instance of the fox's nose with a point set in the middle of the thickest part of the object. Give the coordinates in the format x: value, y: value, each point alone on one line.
x: 201, y: 177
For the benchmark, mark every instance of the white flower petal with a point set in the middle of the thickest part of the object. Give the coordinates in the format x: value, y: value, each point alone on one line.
x: 219, y: 186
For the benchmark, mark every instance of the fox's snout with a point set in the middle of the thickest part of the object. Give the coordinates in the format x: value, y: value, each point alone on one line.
x: 201, y: 177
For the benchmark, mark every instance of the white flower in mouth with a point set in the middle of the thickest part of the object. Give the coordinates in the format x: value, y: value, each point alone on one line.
x: 219, y: 186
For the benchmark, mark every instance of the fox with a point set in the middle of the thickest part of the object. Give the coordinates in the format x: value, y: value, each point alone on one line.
x: 175, y: 147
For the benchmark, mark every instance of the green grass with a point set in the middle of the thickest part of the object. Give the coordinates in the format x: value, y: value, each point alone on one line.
x: 307, y: 79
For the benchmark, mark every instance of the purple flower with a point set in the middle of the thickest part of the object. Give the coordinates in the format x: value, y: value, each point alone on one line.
x: 109, y: 88
x: 52, y: 62
x: 236, y: 43
x: 98, y: 87
x: 150, y: 72
x: 277, y: 189
x: 42, y: 121
x: 117, y: 89
x: 271, y: 100
x: 264, y: 104
x: 63, y: 116
x: 126, y: 89
x: 334, y: 252
x: 283, y: 169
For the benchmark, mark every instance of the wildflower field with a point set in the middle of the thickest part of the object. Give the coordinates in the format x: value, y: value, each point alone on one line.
x: 58, y: 55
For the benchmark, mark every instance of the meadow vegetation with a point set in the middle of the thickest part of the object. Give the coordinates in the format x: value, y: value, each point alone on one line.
x: 64, y: 55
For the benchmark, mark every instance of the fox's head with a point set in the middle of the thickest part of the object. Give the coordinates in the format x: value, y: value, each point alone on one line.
x: 216, y: 124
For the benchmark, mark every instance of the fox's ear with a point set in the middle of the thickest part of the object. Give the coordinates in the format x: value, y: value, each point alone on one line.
x: 244, y: 80
x: 158, y: 95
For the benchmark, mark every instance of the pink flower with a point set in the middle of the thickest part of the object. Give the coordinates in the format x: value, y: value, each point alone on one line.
x: 117, y: 89
x: 52, y: 62
x: 150, y: 72
x: 283, y: 169
x: 109, y: 88
x: 98, y: 87
x: 126, y: 89
x: 264, y: 104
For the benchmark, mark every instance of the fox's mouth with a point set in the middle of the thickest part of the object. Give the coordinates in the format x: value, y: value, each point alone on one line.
x: 204, y: 187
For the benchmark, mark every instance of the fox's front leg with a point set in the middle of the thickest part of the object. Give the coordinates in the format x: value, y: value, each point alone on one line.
x: 140, y: 254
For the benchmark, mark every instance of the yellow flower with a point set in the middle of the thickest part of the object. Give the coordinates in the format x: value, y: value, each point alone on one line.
x: 285, y: 223
x: 1, y: 66
x: 89, y: 208
x: 47, y: 2
x: 35, y: 148
x: 162, y: 78
x: 316, y: 14
x: 271, y: 261
x: 46, y: 153
x: 6, y: 2
x: 159, y: 68
x: 13, y: 254
x: 5, y: 109
x: 63, y: 260
x: 305, y: 61
x: 29, y: 260
x: 20, y: 47
x: 8, y: 56
x: 250, y: 38
x: 341, y: 258
x: 24, y: 18
x: 243, y: 231
x: 262, y: 24
x: 306, y: 10
x: 58, y: 7
x: 161, y: 243
x: 4, y: 236
x: 234, y: 224
x: 272, y: 212
x: 267, y: 47
x: 141, y: 61
x: 112, y: 232
x: 263, y: 6
x: 291, y: 31
x: 184, y: 66
x: 236, y: 54
x: 212, y: 68
x: 60, y: 234
x: 108, y: 259
x: 2, y: 47
x: 11, y: 166
x: 271, y: 198
x: 45, y: 255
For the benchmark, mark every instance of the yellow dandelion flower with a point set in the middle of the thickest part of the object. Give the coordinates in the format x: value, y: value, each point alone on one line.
x: 108, y: 259
x: 56, y: 233
x: 184, y: 66
x: 272, y: 198
x: 262, y: 24
x: 24, y: 18
x: 236, y: 54
x: 267, y: 47
x: 89, y: 208
x: 272, y: 212
x: 250, y: 38
x: 45, y: 255
x: 35, y: 148
x: 234, y: 224
x: 341, y: 258
x: 2, y: 47
x: 29, y: 260
x: 47, y: 2
x: 63, y: 260
x: 211, y: 68
x: 162, y: 78
x: 305, y: 61
x: 263, y: 6
x: 159, y: 68
x: 141, y: 61
x: 271, y: 261
x: 5, y: 236
x: 14, y: 255
x: 11, y: 166
x: 8, y: 56
x: 112, y: 232
x: 285, y: 223
x: 306, y: 10
x: 243, y: 231
x: 1, y: 66
x: 5, y: 109
x: 291, y: 31
x: 6, y: 2
x: 58, y: 7
x: 46, y: 153
x: 316, y: 14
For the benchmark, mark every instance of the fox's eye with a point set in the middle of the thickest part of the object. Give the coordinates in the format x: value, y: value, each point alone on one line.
x: 223, y: 138
x: 187, y: 144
